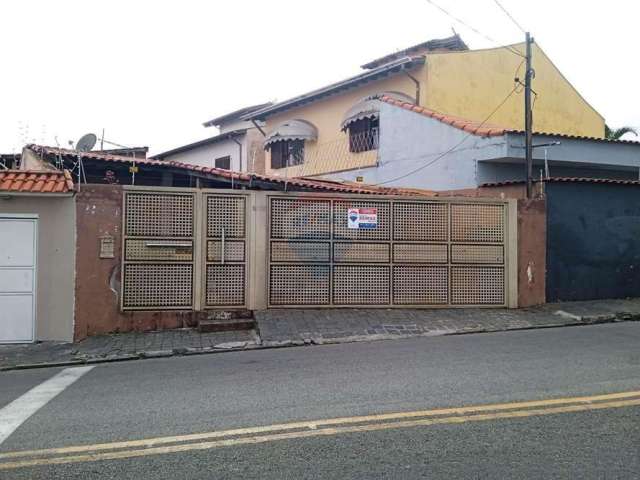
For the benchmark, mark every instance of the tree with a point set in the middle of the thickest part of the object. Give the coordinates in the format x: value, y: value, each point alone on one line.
x: 617, y: 133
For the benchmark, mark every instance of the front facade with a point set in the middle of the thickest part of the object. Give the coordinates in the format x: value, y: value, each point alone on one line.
x: 346, y: 131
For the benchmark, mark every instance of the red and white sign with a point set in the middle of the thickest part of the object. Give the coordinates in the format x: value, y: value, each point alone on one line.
x: 362, y: 218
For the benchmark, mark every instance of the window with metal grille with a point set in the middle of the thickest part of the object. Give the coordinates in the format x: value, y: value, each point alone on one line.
x: 363, y: 135
x: 287, y: 153
x: 223, y: 162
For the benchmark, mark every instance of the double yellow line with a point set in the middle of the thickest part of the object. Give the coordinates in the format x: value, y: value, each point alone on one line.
x: 315, y: 428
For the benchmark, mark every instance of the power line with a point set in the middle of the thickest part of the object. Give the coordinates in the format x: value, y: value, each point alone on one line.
x: 452, y: 149
x: 510, y: 16
x: 475, y: 30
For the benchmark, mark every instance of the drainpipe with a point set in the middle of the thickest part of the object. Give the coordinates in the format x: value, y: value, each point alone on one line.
x: 417, y: 82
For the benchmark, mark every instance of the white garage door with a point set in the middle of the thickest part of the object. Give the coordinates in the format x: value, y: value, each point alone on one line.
x: 17, y: 279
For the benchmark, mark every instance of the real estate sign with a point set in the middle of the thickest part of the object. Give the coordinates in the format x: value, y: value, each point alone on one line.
x: 362, y: 218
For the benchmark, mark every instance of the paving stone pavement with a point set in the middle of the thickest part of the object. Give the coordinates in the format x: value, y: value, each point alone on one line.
x: 291, y: 327
x: 124, y: 346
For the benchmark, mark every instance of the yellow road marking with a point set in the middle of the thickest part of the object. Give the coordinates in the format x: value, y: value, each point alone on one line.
x: 568, y: 405
x: 314, y: 424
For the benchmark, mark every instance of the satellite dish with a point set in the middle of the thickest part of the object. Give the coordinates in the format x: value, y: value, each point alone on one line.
x: 86, y: 142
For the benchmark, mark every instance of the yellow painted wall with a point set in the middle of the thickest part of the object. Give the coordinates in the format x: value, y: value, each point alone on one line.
x: 331, y: 151
x: 468, y: 84
x: 472, y: 84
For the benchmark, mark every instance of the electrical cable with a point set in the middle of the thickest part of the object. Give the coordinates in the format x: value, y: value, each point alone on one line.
x: 452, y: 149
x: 510, y: 16
x: 475, y: 30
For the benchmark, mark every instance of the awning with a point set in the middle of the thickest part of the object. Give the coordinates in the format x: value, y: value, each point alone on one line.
x: 292, y: 130
x: 369, y: 107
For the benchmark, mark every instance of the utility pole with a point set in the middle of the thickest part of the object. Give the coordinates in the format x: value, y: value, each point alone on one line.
x: 528, y: 117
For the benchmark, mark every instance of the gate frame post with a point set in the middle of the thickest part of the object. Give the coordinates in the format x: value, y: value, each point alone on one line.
x: 258, y: 225
x: 512, y: 253
x: 198, y: 251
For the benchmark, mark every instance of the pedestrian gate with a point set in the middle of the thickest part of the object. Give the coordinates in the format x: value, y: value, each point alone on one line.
x: 190, y: 249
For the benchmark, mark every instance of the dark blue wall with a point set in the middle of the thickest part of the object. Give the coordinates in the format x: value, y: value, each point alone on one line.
x: 593, y: 241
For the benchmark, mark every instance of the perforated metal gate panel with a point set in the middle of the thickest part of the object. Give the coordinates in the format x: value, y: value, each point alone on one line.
x: 226, y: 252
x: 158, y: 259
x: 418, y: 253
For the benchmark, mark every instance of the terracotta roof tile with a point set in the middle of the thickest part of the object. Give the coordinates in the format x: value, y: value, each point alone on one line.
x: 470, y: 126
x: 300, y: 182
x: 35, y: 182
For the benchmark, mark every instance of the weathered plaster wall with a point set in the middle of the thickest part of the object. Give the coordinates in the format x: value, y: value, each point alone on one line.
x: 532, y: 251
x: 55, y: 261
x: 99, y: 212
x: 471, y: 84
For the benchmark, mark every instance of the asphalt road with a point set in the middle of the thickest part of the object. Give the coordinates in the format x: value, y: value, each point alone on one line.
x: 178, y: 396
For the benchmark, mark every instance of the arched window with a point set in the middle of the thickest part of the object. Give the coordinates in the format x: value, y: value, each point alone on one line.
x: 286, y: 142
x: 363, y: 122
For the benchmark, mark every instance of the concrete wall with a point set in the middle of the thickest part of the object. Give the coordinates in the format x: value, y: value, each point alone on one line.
x: 99, y: 212
x: 593, y: 241
x: 410, y: 144
x: 55, y: 261
x: 471, y: 84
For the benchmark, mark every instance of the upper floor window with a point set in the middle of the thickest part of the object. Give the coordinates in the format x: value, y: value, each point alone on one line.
x: 223, y: 162
x: 287, y: 153
x: 364, y: 134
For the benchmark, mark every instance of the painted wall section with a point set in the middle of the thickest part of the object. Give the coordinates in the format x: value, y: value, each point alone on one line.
x: 99, y: 212
x: 593, y: 241
x: 330, y: 152
x: 252, y: 159
x: 472, y: 84
x: 55, y: 262
x: 405, y: 162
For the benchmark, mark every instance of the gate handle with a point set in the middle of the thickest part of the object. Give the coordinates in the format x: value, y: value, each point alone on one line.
x: 167, y: 244
x: 222, y: 246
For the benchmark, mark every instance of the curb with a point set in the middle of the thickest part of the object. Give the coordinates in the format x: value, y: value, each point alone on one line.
x: 258, y: 344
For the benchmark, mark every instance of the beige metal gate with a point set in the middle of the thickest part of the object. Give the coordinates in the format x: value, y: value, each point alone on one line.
x: 226, y: 250
x: 158, y: 250
x: 183, y: 249
x: 420, y: 253
x: 196, y: 249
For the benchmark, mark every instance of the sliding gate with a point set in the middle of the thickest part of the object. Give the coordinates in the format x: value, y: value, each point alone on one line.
x: 348, y: 252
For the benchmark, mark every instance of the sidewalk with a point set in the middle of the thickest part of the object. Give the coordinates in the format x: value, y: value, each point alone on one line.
x: 295, y: 327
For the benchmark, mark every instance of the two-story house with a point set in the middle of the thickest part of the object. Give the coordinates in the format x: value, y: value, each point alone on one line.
x: 440, y: 116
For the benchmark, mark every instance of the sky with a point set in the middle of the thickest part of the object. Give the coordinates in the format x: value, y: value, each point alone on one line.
x: 150, y: 73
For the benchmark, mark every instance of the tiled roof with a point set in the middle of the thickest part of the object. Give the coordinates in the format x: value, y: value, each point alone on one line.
x: 611, y: 181
x: 486, y: 129
x: 470, y: 126
x: 249, y: 179
x: 450, y: 44
x: 35, y: 182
